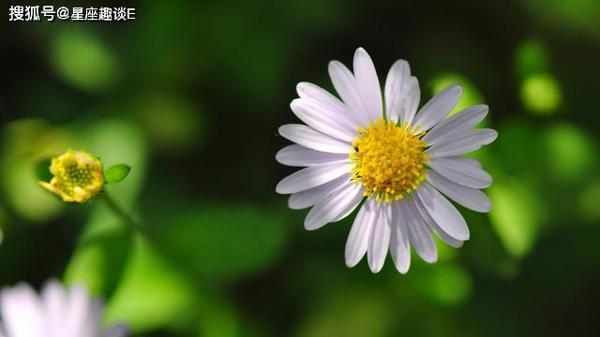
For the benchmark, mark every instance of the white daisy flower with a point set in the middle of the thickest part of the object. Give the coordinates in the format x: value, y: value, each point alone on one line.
x: 384, y: 151
x: 57, y: 312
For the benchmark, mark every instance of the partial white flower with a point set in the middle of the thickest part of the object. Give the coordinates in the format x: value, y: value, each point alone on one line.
x: 365, y: 146
x: 57, y: 312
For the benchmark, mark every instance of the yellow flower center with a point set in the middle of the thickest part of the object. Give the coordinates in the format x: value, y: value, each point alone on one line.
x: 77, y: 176
x: 389, y: 160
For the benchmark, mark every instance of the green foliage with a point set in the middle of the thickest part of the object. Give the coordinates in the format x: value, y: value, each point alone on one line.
x: 24, y: 144
x: 516, y: 215
x: 570, y: 153
x: 541, y: 93
x: 152, y: 293
x: 83, y: 60
x: 226, y: 241
x: 99, y: 261
x: 116, y: 173
x: 42, y: 170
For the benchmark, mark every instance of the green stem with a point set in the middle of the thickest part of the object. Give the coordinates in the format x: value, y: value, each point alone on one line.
x: 121, y: 213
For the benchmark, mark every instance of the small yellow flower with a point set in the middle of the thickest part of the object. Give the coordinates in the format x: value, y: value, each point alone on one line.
x: 77, y: 176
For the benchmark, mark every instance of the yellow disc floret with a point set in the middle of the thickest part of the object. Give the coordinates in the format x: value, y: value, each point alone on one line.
x: 77, y: 176
x: 389, y: 160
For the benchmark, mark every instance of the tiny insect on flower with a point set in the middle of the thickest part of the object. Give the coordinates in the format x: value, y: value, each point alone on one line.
x: 77, y: 176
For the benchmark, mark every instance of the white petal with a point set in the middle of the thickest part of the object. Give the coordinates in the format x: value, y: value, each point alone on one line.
x: 434, y: 226
x: 328, y: 102
x: 21, y: 311
x: 410, y: 104
x: 346, y: 87
x: 311, y: 177
x: 470, y: 198
x: 360, y: 234
x: 342, y: 200
x: 298, y: 155
x: 419, y: 234
x: 463, y: 171
x: 327, y: 122
x: 471, y: 141
x: 117, y: 330
x: 442, y: 212
x: 395, y: 88
x: 399, y: 240
x: 438, y: 107
x: 77, y: 311
x: 311, y: 196
x: 463, y: 120
x: 307, y: 137
x: 380, y: 238
x: 368, y: 84
x: 54, y: 302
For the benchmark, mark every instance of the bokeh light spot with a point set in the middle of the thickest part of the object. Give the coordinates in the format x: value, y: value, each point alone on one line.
x: 83, y: 60
x: 541, y: 93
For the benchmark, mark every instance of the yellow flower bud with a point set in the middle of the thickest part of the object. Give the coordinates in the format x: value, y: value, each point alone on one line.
x: 77, y: 176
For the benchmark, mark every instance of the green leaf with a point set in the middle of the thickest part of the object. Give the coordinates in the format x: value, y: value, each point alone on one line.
x: 223, y: 242
x: 516, y: 215
x: 99, y: 262
x: 42, y: 170
x: 152, y: 294
x: 116, y: 173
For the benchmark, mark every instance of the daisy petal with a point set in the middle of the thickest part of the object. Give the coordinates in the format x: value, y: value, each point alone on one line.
x: 395, y: 88
x: 438, y: 107
x: 336, y: 108
x: 463, y: 171
x: 463, y: 120
x: 434, y: 226
x: 297, y: 155
x: 442, y: 212
x: 470, y: 198
x: 368, y: 84
x: 471, y: 141
x: 358, y: 239
x: 311, y: 177
x: 21, y: 312
x: 419, y: 235
x: 307, y: 137
x: 310, y: 197
x: 117, y: 330
x: 410, y: 104
x: 322, y: 120
x: 399, y: 240
x: 343, y: 199
x: 380, y: 238
x: 345, y: 85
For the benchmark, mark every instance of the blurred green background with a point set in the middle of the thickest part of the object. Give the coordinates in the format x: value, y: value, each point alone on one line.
x: 191, y: 94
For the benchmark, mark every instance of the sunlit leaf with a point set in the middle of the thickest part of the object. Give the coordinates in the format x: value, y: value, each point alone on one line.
x: 83, y: 60
x: 541, y: 93
x: 224, y: 241
x: 570, y: 153
x: 152, y: 293
x: 515, y: 215
x: 447, y: 283
x: 116, y: 173
x: 531, y: 58
x: 99, y: 261
x: 588, y: 202
x: 24, y: 143
x: 350, y: 312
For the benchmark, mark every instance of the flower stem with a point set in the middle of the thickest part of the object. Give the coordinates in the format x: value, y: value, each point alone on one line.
x: 121, y: 213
